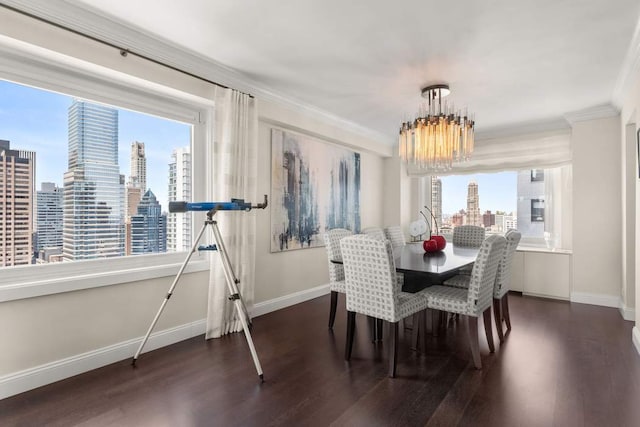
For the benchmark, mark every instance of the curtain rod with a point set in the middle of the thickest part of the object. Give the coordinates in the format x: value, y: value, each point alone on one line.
x: 123, y: 51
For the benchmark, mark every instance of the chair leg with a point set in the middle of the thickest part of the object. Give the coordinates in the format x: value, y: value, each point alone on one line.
x: 393, y: 348
x: 472, y: 331
x: 488, y: 329
x: 414, y: 331
x: 351, y: 326
x: 497, y: 315
x: 372, y: 328
x: 332, y: 309
x: 379, y: 329
x: 423, y: 330
x: 505, y: 311
x: 435, y: 319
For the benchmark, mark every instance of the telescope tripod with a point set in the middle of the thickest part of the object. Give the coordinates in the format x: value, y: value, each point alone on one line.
x: 232, y: 286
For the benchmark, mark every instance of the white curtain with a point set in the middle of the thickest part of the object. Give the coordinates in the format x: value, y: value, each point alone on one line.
x: 231, y: 173
x: 539, y: 150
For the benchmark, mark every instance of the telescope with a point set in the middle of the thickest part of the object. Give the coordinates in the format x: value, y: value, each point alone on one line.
x: 233, y: 205
x: 232, y: 280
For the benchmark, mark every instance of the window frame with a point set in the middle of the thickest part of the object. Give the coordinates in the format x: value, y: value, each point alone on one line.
x: 40, y: 68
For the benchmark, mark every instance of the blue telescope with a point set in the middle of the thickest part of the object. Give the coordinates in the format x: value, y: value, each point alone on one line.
x: 233, y: 205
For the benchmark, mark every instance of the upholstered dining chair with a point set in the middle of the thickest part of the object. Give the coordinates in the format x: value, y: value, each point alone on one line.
x: 375, y: 232
x: 336, y: 271
x: 372, y: 289
x: 469, y: 236
x: 395, y: 235
x: 503, y: 279
x: 476, y: 299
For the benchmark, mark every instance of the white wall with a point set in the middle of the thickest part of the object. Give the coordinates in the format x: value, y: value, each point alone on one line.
x: 597, y: 257
x: 630, y: 115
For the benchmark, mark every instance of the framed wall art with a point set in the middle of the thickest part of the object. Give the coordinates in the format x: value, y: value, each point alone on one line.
x: 315, y: 186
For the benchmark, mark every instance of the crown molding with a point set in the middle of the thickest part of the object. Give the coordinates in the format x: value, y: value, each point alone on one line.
x: 84, y: 19
x: 548, y: 125
x: 592, y: 113
x: 630, y: 68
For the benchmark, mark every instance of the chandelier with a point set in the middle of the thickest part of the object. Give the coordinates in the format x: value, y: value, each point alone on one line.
x: 439, y: 135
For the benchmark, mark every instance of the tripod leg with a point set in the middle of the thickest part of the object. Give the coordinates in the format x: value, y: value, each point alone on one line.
x: 232, y: 280
x: 232, y: 286
x: 239, y: 308
x: 169, y: 293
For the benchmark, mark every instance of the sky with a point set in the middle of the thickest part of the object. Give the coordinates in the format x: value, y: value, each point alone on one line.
x: 36, y: 120
x: 496, y: 191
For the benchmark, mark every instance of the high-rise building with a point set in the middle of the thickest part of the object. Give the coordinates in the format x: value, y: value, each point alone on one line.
x: 531, y: 201
x: 148, y: 227
x: 138, y: 175
x: 179, y: 224
x: 93, y: 208
x: 17, y: 176
x: 473, y: 205
x: 488, y: 219
x: 136, y: 186
x: 49, y: 218
x: 436, y: 200
x: 458, y: 218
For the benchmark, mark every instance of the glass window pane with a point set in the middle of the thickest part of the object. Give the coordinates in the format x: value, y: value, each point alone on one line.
x: 83, y: 180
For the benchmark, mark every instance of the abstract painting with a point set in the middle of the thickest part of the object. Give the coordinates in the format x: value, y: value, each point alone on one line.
x: 315, y: 186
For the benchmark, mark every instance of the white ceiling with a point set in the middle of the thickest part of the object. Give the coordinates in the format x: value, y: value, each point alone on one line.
x: 365, y: 61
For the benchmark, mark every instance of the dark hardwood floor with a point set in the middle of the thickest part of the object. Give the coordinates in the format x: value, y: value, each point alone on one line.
x: 562, y: 364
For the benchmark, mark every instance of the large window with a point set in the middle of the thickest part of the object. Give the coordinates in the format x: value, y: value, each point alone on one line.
x: 534, y: 201
x: 89, y: 159
x: 85, y: 180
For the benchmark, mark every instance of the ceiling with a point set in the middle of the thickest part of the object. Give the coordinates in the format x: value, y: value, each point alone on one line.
x: 365, y: 61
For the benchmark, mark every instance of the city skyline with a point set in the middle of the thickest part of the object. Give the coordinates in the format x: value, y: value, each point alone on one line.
x: 36, y: 120
x: 496, y: 191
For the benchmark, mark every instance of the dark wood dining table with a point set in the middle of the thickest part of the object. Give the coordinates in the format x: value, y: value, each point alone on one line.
x: 421, y: 269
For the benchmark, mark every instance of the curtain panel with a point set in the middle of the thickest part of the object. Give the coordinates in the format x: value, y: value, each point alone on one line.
x: 231, y: 173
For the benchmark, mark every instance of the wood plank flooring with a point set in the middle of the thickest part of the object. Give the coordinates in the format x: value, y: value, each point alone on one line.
x: 562, y: 365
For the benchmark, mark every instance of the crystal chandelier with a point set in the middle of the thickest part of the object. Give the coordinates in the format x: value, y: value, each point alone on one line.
x: 439, y: 136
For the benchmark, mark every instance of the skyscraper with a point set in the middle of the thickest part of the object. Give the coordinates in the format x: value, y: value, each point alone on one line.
x: 93, y: 208
x: 473, y: 205
x: 138, y: 166
x: 17, y: 173
x: 179, y: 224
x: 136, y: 186
x: 148, y: 227
x: 436, y: 200
x: 49, y: 218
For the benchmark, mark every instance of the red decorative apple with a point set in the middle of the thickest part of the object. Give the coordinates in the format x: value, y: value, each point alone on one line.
x: 430, y: 245
x: 440, y: 240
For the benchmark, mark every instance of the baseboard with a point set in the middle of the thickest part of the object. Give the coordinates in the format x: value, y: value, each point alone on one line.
x: 636, y: 338
x: 288, y: 300
x: 595, y: 299
x: 38, y: 376
x: 626, y: 312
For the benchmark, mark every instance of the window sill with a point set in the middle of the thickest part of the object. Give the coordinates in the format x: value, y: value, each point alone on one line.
x: 544, y: 250
x: 36, y: 285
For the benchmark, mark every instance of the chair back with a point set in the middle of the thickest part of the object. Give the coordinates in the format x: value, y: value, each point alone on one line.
x: 503, y: 276
x: 332, y: 243
x: 375, y: 232
x: 395, y: 235
x: 483, y: 275
x: 470, y: 236
x: 370, y: 276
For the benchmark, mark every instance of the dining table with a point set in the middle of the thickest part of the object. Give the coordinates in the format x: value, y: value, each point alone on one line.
x: 422, y: 269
